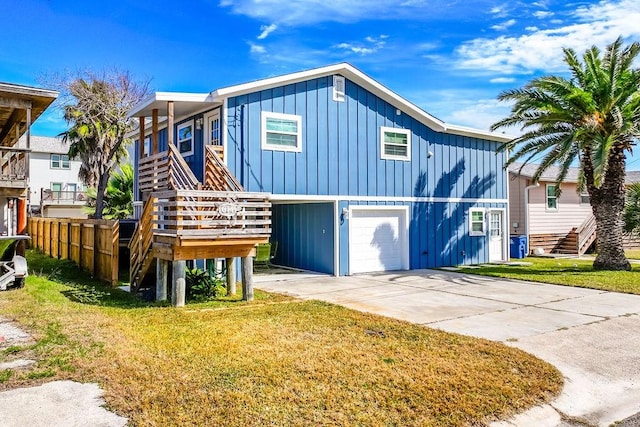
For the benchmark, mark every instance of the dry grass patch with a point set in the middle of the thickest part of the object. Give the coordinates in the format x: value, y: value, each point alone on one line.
x: 295, y: 363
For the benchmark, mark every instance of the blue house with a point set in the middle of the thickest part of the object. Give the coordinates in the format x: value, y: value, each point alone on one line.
x: 360, y: 179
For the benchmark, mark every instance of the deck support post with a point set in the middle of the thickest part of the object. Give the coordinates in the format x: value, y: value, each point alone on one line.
x: 231, y: 276
x: 162, y: 269
x: 247, y: 278
x: 179, y: 284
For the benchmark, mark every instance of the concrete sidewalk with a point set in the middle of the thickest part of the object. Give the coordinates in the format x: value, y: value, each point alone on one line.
x: 592, y: 337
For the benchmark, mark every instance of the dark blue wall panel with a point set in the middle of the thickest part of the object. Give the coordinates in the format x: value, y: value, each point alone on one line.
x: 305, y: 236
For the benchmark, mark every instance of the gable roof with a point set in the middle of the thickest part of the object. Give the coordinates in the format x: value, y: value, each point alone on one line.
x: 528, y: 171
x: 45, y: 144
x: 158, y: 100
x: 14, y: 102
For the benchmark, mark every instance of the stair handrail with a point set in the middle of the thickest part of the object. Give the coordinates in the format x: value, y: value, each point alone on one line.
x: 181, y: 175
x: 223, y: 180
x: 586, y: 234
x: 142, y: 239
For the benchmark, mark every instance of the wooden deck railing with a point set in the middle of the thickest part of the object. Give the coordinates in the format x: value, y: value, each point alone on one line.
x: 586, y: 234
x: 212, y: 214
x: 141, y: 241
x: 165, y: 171
x: 217, y: 175
x: 14, y: 164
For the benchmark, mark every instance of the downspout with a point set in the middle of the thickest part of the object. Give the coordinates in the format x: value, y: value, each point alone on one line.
x: 526, y: 211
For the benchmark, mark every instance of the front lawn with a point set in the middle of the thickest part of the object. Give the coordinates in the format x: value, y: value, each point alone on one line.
x: 275, y: 361
x: 564, y: 271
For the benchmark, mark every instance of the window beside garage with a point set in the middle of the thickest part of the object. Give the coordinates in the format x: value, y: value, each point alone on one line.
x: 476, y: 222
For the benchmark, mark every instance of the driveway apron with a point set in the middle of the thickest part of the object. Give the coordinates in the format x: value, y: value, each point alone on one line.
x: 591, y: 336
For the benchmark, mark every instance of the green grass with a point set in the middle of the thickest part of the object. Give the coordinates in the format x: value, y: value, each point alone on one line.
x: 565, y: 271
x: 632, y: 253
x: 275, y: 361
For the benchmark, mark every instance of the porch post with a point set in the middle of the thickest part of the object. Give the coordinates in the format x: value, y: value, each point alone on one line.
x: 231, y: 276
x: 247, y: 278
x: 179, y: 284
x: 141, y: 138
x: 170, y: 116
x: 162, y: 268
x: 154, y: 131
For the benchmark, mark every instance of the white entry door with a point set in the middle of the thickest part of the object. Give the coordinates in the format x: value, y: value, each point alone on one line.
x: 496, y: 238
x: 212, y: 129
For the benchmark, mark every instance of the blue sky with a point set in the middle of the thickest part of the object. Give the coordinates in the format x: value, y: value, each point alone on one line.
x: 450, y: 57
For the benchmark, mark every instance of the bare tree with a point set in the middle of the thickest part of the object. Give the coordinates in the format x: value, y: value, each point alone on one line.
x: 95, y: 108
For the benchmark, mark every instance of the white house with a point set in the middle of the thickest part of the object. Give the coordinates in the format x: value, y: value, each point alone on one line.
x: 55, y: 191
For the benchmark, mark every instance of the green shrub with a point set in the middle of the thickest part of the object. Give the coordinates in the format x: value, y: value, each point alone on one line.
x: 203, y: 287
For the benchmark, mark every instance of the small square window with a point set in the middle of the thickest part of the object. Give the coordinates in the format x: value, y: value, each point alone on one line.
x: 185, y: 138
x: 281, y: 132
x: 395, y: 143
x: 60, y: 161
x: 476, y: 222
x: 585, y: 199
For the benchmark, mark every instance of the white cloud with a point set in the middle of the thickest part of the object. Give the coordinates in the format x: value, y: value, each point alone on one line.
x: 503, y: 26
x: 256, y: 48
x: 305, y: 12
x: 598, y: 24
x: 532, y: 29
x: 371, y: 45
x: 542, y: 14
x: 502, y: 80
x: 266, y: 30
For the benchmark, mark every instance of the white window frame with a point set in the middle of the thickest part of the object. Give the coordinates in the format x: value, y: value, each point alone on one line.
x: 269, y: 115
x: 482, y: 212
x: 339, y: 88
x: 146, y: 147
x: 60, y: 161
x: 584, y: 194
x: 179, y: 141
x: 407, y: 132
x: 546, y: 198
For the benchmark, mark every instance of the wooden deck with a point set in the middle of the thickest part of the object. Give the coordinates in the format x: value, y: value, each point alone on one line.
x: 183, y: 219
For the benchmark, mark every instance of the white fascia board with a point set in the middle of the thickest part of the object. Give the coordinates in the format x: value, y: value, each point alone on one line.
x: 358, y: 77
x: 158, y: 100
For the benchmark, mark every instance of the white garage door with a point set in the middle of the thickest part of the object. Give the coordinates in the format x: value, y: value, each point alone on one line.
x: 378, y: 239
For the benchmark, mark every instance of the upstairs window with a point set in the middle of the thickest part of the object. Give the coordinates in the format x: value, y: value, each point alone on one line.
x: 338, y: 88
x: 60, y: 161
x: 281, y: 132
x: 585, y: 199
x: 395, y: 143
x: 185, y: 138
x: 476, y: 222
x: 552, y: 197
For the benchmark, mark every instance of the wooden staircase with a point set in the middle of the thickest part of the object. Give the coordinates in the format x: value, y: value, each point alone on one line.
x: 576, y: 242
x: 183, y: 219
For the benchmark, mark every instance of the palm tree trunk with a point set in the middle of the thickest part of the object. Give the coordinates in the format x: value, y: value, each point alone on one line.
x: 607, y: 207
x: 102, y: 186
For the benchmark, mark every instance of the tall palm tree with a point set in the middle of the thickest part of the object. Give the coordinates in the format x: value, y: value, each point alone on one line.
x: 593, y: 118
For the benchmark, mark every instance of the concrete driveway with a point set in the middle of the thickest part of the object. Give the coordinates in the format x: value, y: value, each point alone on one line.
x: 592, y: 337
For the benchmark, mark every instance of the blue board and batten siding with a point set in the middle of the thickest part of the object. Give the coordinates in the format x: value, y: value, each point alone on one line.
x: 340, y: 159
x: 340, y: 166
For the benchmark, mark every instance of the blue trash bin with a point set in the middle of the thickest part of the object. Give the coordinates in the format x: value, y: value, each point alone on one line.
x: 518, y: 247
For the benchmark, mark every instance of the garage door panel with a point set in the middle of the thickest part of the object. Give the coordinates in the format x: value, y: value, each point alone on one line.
x: 378, y: 240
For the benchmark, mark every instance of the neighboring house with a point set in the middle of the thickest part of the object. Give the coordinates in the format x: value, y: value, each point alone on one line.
x: 20, y: 106
x: 55, y: 191
x: 558, y: 224
x: 360, y: 179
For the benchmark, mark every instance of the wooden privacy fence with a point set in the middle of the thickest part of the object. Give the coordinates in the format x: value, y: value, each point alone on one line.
x: 90, y: 243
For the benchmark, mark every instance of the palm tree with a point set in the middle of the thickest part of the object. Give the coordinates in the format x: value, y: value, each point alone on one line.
x: 99, y: 125
x: 118, y: 197
x: 592, y: 119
